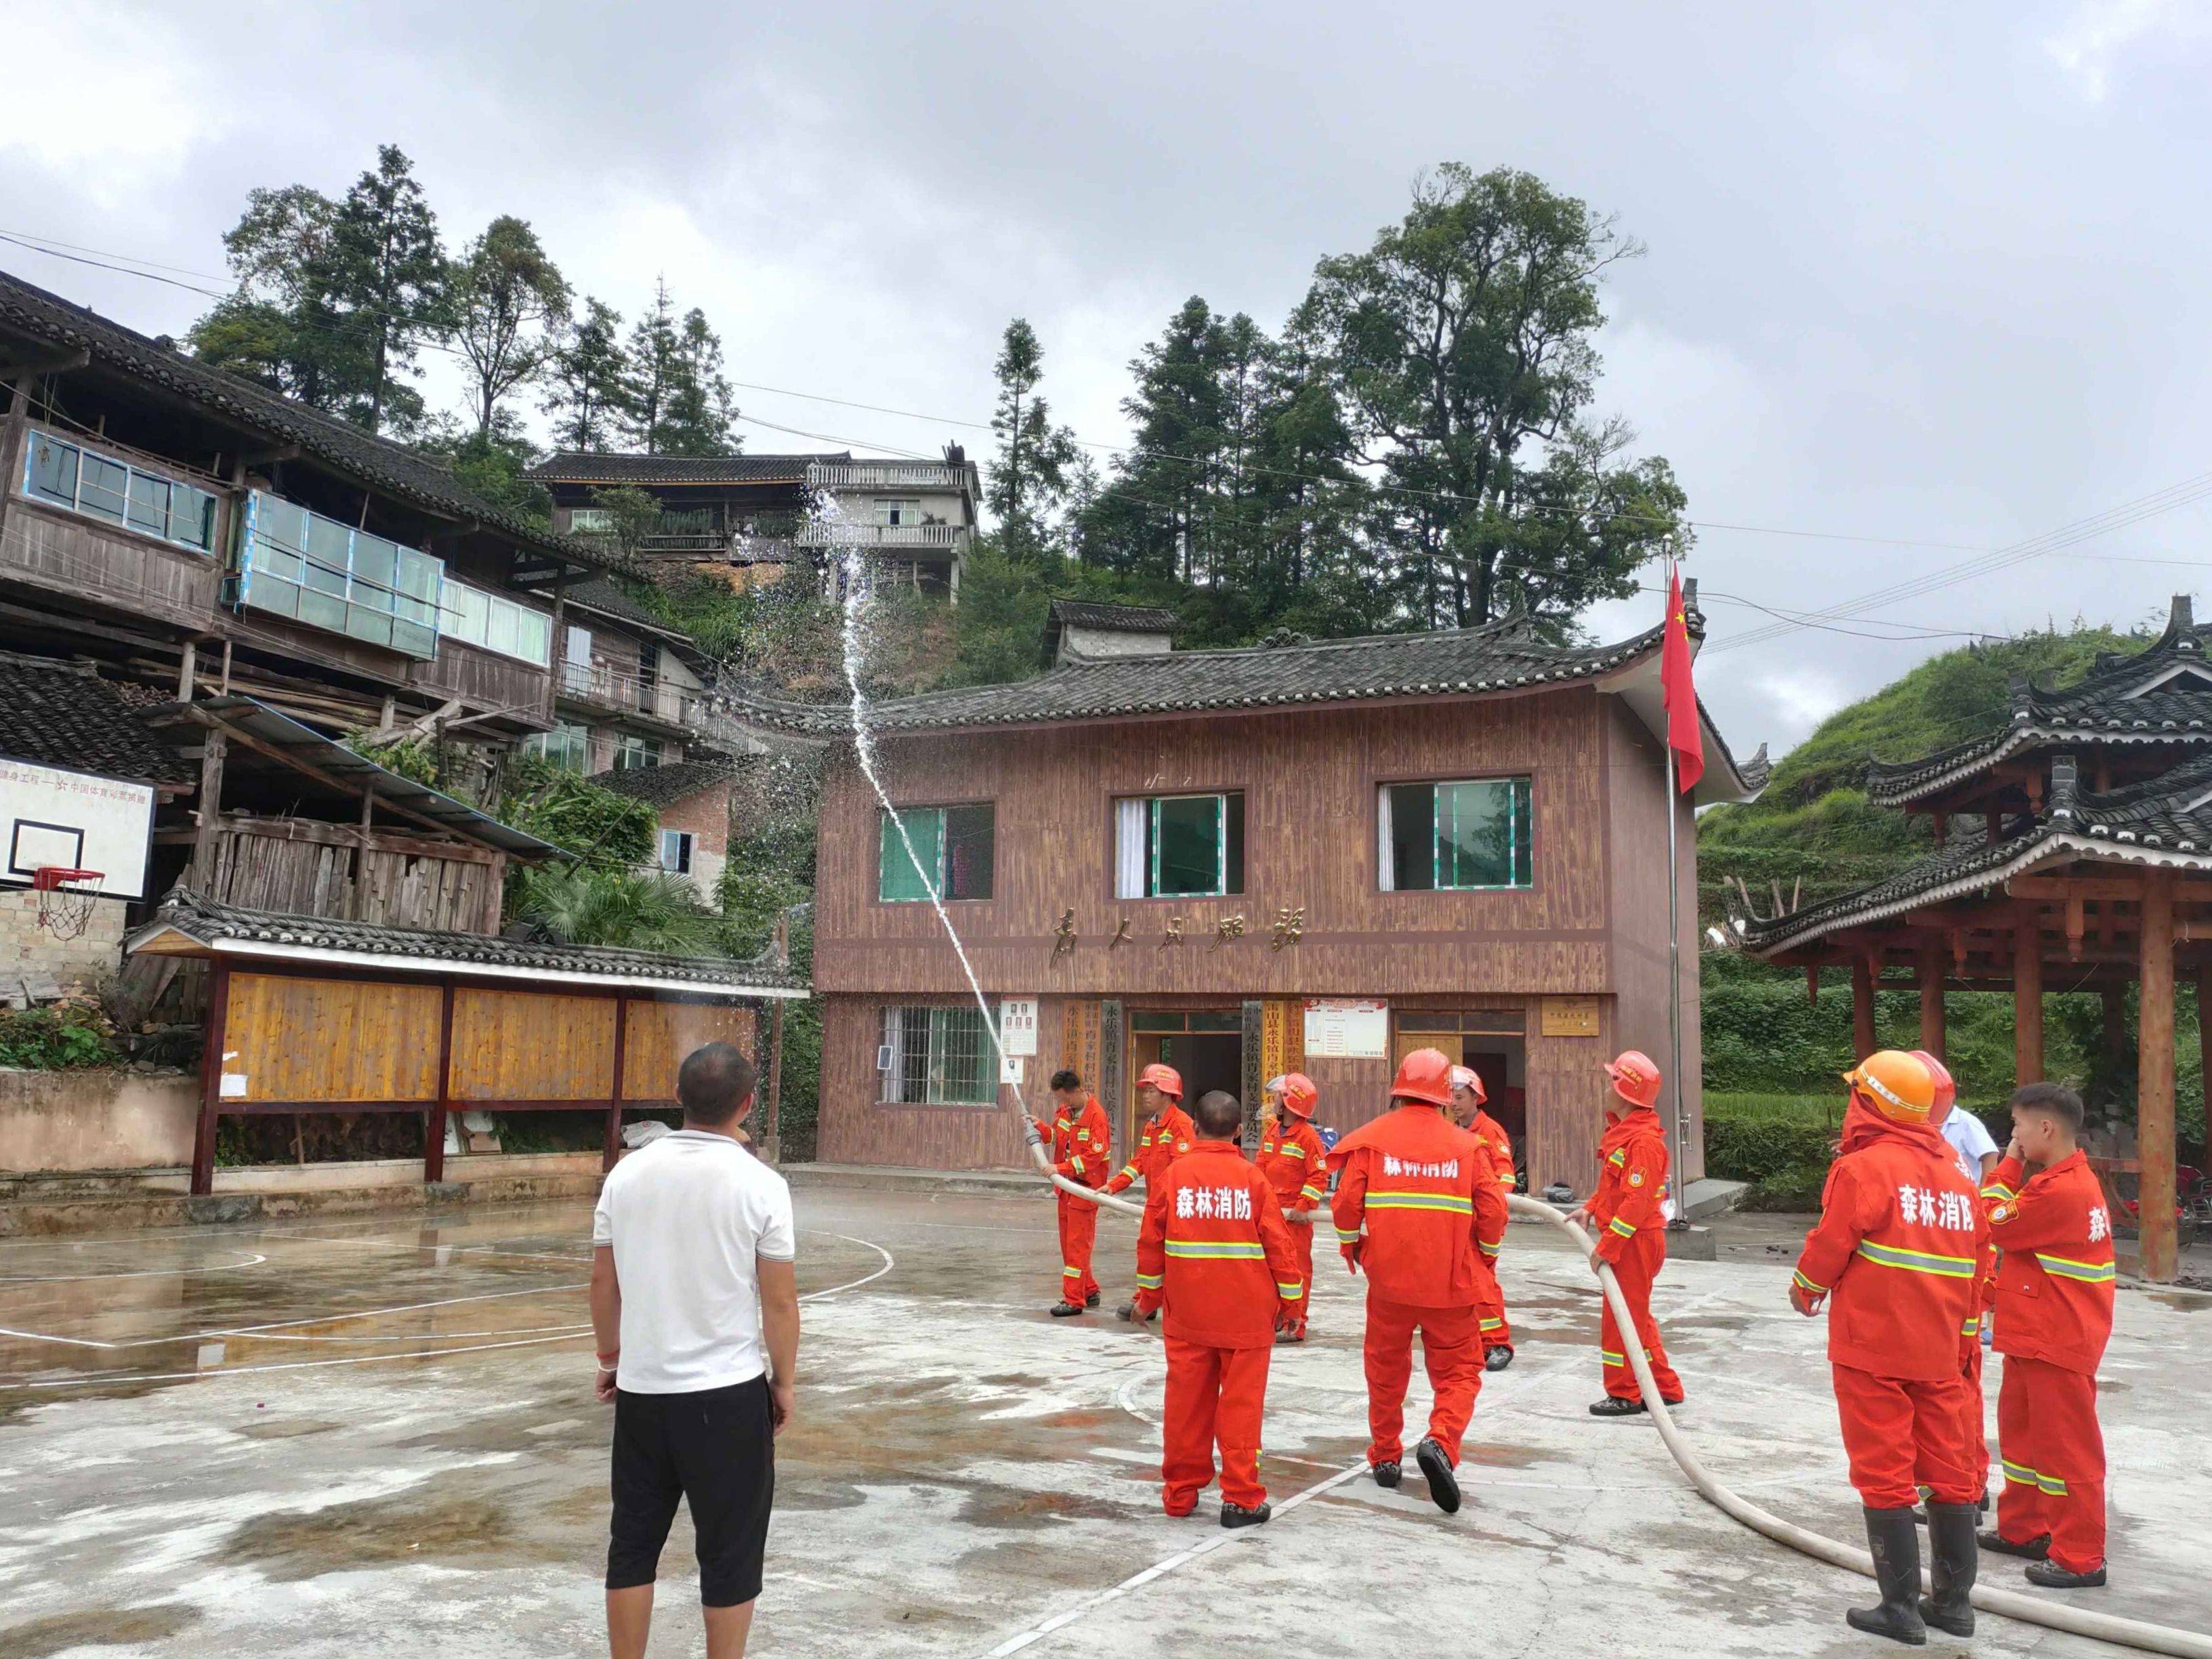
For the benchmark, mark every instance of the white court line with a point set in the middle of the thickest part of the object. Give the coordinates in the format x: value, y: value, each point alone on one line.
x: 158, y: 1273
x: 288, y: 1324
x: 866, y: 1243
x: 451, y: 1249
x: 95, y: 1379
x: 70, y: 1341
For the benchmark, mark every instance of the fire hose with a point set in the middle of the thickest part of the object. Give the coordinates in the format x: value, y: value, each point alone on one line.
x: 2009, y: 1604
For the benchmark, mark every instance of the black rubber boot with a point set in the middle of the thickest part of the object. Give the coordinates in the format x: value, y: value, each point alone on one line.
x: 1232, y: 1517
x: 1896, y: 1549
x: 1496, y: 1358
x: 1065, y: 1309
x: 2049, y: 1575
x: 1996, y: 1543
x: 1091, y: 1300
x: 1613, y: 1406
x: 1952, y: 1560
x: 1386, y: 1475
x: 1443, y: 1484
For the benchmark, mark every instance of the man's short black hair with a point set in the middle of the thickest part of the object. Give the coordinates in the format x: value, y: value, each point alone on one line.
x: 714, y: 1083
x: 2055, y: 1099
x: 1218, y: 1115
x: 1065, y: 1078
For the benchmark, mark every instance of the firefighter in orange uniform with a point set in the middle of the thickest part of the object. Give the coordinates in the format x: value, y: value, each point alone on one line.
x: 1629, y: 1213
x: 1165, y: 1136
x: 1428, y: 1199
x: 1290, y: 1156
x: 1970, y: 1330
x: 1467, y: 1102
x: 1215, y: 1250
x: 2054, y: 1314
x: 1081, y: 1144
x: 1899, y: 1249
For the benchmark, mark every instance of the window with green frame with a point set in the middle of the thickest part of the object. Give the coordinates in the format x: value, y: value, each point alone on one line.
x: 952, y: 857
x: 1456, y: 837
x: 1179, y: 846
x: 938, y: 1056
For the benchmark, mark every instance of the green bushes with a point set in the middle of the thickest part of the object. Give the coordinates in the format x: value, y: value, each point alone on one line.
x: 597, y: 825
x: 60, y: 1038
x: 1781, y: 1144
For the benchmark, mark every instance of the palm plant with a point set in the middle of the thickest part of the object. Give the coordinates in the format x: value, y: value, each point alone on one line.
x: 634, y: 909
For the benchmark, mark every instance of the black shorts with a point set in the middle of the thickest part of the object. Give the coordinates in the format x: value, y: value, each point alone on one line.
x: 716, y: 1449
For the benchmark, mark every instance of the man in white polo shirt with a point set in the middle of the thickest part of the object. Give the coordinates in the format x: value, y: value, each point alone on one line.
x: 695, y: 1306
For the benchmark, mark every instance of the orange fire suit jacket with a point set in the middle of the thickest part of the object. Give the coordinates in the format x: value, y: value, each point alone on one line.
x: 1492, y: 1134
x: 1427, y: 1194
x: 1080, y: 1143
x: 1898, y: 1251
x: 2056, y: 1278
x: 1167, y: 1137
x: 1632, y: 1183
x: 1292, y: 1157
x: 1215, y: 1250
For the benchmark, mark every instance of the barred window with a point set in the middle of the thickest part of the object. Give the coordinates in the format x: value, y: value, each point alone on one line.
x: 937, y: 1057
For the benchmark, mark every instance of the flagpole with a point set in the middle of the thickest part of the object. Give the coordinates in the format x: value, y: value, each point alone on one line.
x: 1678, y: 1136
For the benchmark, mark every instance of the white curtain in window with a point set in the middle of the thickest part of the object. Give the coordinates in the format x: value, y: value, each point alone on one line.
x: 1130, y: 821
x: 1386, y: 849
x: 888, y: 1082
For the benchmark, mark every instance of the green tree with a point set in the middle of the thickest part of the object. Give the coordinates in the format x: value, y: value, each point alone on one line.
x: 509, y: 303
x: 1158, y: 512
x: 632, y: 513
x: 1460, y: 348
x: 1029, y: 475
x: 698, y: 410
x: 389, y: 281
x: 283, y: 327
x: 492, y: 464
x: 656, y: 367
x: 587, y: 381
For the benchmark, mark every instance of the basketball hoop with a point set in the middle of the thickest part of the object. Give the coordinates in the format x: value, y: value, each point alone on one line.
x: 65, y: 897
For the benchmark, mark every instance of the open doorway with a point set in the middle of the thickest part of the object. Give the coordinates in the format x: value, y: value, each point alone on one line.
x: 1206, y: 1046
x: 1492, y: 1043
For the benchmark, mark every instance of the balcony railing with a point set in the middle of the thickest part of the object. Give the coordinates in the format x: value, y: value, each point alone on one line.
x: 657, y: 700
x: 839, y: 534
x: 889, y: 475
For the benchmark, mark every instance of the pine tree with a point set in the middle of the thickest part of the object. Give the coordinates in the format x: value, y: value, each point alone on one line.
x: 389, y: 283
x: 1029, y: 475
x: 655, y: 356
x: 588, y: 381
x: 509, y: 304
x: 698, y: 408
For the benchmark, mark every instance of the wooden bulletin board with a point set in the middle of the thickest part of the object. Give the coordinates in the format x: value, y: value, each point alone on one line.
x: 1570, y: 1016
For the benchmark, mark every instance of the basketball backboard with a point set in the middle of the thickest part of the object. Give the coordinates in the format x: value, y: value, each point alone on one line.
x: 77, y: 820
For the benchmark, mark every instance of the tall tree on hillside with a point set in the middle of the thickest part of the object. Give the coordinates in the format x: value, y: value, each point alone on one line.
x: 698, y: 407
x: 1158, y: 512
x: 587, y: 381
x: 1461, y: 347
x: 1029, y: 475
x: 390, y: 282
x: 509, y: 303
x: 655, y: 358
x: 283, y: 326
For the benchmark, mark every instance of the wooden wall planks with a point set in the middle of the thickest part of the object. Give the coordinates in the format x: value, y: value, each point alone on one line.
x: 658, y: 1036
x: 530, y: 1045
x: 331, y: 1040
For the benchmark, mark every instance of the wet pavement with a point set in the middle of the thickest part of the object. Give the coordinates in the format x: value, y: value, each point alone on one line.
x: 362, y: 1437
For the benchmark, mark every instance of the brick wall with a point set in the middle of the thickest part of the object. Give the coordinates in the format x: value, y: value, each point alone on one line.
x: 28, y: 950
x: 706, y: 816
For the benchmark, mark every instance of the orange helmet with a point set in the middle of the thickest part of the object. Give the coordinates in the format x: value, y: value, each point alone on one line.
x: 1165, y: 1079
x: 1897, y: 1085
x: 1635, y: 1078
x: 1946, y: 1091
x: 1298, y: 1093
x: 1464, y: 1077
x: 1424, y: 1075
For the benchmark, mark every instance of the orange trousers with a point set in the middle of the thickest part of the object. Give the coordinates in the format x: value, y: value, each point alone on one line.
x: 2053, y: 1454
x: 1451, y: 1353
x: 1301, y: 1241
x: 1491, y: 1310
x: 1078, y: 1230
x: 1215, y: 1396
x: 1636, y: 1267
x: 1981, y: 1439
x: 1902, y: 1436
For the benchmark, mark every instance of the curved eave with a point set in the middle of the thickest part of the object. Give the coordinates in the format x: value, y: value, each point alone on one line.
x: 1901, y: 786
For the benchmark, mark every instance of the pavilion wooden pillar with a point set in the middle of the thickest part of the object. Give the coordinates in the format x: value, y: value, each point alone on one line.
x: 2204, y: 1030
x: 1862, y: 1008
x: 218, y: 1032
x: 1933, y: 969
x: 2027, y: 1001
x: 2155, y: 1078
x: 613, y: 1150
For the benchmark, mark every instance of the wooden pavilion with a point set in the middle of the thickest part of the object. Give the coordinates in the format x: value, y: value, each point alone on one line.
x: 2087, y: 866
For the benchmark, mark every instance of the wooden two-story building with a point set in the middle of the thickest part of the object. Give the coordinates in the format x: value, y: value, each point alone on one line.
x: 1317, y: 856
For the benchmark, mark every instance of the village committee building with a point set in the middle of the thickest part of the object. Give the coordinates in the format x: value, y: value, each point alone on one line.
x: 1313, y: 855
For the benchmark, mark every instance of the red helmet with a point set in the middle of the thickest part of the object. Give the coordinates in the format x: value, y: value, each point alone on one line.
x: 1946, y: 1089
x: 1298, y: 1092
x: 1635, y: 1078
x: 1165, y: 1079
x: 1424, y: 1075
x: 1465, y: 1077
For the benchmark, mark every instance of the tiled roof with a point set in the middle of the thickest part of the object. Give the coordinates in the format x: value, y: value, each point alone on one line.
x: 1499, y: 657
x: 1126, y: 618
x: 587, y: 467
x: 393, y: 468
x: 606, y: 597
x: 225, y: 929
x: 64, y: 714
x: 2167, y: 820
x: 2119, y: 703
x: 658, y: 786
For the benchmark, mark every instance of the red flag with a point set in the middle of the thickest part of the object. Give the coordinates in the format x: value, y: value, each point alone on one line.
x: 1683, y: 735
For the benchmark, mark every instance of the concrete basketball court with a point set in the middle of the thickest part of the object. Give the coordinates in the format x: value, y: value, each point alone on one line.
x: 361, y: 1436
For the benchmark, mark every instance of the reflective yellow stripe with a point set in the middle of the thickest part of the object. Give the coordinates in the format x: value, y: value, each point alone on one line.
x: 1200, y: 1250
x: 1289, y: 1292
x: 1917, y: 1261
x: 1972, y: 1327
x: 1489, y: 1250
x: 1129, y: 1169
x: 1489, y: 1324
x: 1621, y: 1227
x: 2086, y: 1272
x: 1506, y: 1180
x: 1999, y: 1191
x: 1297, y: 1152
x: 1309, y: 1192
x: 1611, y: 1358
x: 1150, y: 1281
x: 1076, y: 1163
x: 1619, y: 1158
x: 1403, y: 1199
x: 1344, y: 1237
x: 1071, y: 1273
x: 2019, y: 1475
x: 1808, y: 1285
x: 2051, y: 1485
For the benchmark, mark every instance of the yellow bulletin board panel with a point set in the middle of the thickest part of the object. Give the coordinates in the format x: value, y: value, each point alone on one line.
x: 527, y: 1045
x: 658, y: 1036
x: 1570, y: 1016
x: 1078, y: 1040
x: 287, y: 1038
x: 1282, y: 1038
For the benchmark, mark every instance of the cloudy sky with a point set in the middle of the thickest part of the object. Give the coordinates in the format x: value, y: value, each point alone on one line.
x: 1926, y: 282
